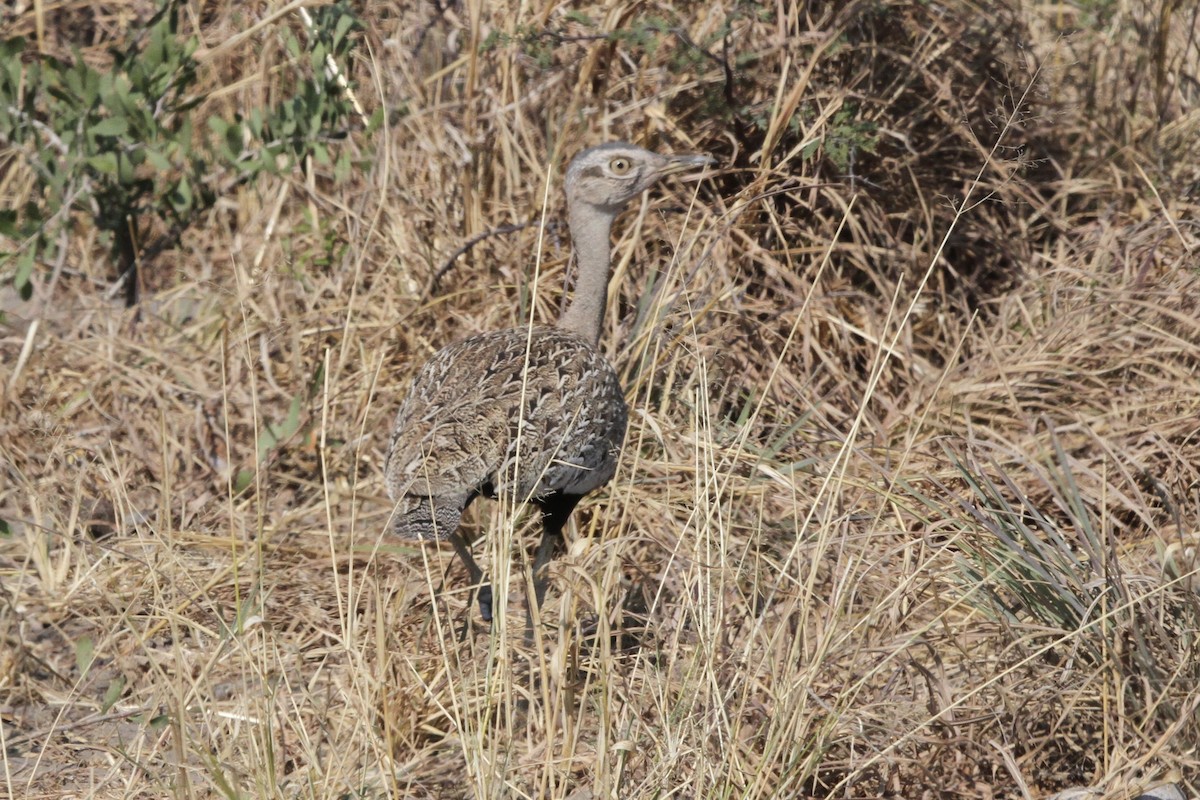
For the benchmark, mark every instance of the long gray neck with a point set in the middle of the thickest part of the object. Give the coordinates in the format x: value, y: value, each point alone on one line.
x: 590, y: 231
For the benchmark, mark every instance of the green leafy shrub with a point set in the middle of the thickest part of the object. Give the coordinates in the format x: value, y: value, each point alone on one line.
x: 124, y: 147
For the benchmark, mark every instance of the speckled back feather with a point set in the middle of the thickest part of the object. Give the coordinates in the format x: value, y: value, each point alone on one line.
x: 459, y: 429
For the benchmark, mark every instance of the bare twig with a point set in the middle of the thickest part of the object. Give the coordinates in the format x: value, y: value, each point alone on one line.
x: 448, y: 264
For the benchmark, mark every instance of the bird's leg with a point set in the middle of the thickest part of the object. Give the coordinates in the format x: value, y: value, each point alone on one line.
x: 555, y: 511
x: 545, y: 552
x: 475, y: 574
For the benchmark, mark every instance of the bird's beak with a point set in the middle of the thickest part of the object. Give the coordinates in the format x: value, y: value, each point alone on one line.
x: 685, y: 163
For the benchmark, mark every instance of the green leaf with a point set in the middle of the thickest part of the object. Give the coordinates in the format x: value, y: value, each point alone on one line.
x: 124, y: 169
x: 25, y: 263
x: 84, y: 654
x: 74, y: 82
x: 105, y: 163
x: 12, y: 48
x: 8, y: 223
x: 152, y: 56
x: 341, y: 168
x: 255, y: 122
x: 109, y: 97
x: 293, y: 46
x: 91, y: 86
x: 376, y: 120
x: 183, y: 139
x: 113, y: 126
x: 273, y: 435
x: 286, y: 127
x: 157, y: 160
x: 344, y: 24
x: 317, y: 382
x: 115, y: 95
x: 5, y: 529
x: 112, y: 694
x: 181, y: 198
x: 234, y: 139
x: 32, y: 213
x: 494, y: 39
x: 243, y: 481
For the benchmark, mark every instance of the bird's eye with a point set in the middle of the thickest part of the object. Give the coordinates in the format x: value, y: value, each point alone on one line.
x: 620, y: 166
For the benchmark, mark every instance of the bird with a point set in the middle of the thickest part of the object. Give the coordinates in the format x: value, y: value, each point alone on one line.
x: 532, y: 414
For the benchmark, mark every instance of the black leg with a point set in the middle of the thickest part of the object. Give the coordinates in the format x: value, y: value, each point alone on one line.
x: 545, y: 551
x: 475, y: 574
x: 555, y: 511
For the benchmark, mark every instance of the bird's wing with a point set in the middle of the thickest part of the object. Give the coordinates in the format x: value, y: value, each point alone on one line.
x: 452, y: 431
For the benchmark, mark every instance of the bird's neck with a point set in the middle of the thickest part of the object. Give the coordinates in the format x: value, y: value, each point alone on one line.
x: 590, y: 230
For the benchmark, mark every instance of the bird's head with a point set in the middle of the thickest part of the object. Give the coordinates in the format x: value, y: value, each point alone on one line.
x: 610, y: 175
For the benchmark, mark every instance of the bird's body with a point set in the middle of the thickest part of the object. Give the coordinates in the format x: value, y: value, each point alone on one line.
x: 482, y: 419
x: 531, y: 414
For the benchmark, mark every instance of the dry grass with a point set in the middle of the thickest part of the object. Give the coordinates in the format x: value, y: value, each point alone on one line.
x: 910, y: 500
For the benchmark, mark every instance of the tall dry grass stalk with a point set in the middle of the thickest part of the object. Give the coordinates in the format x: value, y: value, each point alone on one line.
x: 908, y: 504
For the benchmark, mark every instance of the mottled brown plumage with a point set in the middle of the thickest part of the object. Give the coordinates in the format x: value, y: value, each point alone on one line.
x: 570, y: 426
x: 536, y: 415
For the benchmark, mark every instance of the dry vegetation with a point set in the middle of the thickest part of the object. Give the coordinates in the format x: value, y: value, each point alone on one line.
x: 911, y: 495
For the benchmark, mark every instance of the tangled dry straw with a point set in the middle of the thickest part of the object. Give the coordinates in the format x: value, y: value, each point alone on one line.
x: 909, y: 501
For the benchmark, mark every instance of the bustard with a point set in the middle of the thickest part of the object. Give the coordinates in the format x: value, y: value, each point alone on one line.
x: 531, y: 414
